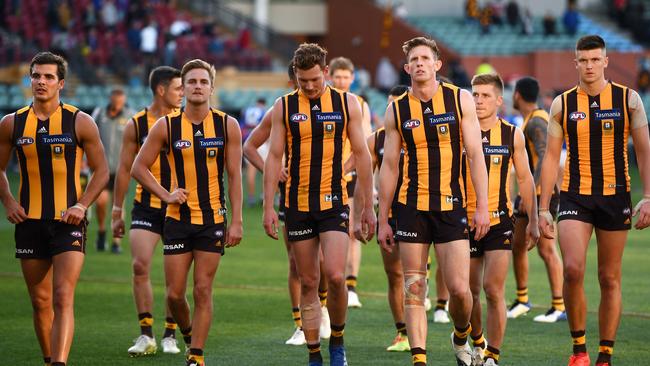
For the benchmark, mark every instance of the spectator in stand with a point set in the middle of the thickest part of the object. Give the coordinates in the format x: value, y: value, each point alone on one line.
x: 89, y: 16
x: 512, y: 13
x: 549, y: 24
x: 148, y: 47
x: 243, y: 37
x: 619, y: 12
x: 109, y: 13
x: 133, y: 35
x: 486, y: 20
x: 571, y: 18
x: 472, y: 12
x: 497, y: 8
x: 527, y: 22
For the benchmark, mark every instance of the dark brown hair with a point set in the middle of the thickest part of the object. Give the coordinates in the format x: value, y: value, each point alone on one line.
x: 590, y: 42
x: 309, y: 55
x: 48, y: 58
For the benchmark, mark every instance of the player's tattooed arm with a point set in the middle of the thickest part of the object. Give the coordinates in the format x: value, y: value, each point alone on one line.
x: 536, y: 131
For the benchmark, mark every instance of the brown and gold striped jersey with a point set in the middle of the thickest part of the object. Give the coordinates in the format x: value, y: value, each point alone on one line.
x: 498, y: 149
x: 596, y: 130
x: 316, y: 134
x: 432, y: 141
x: 196, y: 155
x: 49, y: 156
x: 143, y: 121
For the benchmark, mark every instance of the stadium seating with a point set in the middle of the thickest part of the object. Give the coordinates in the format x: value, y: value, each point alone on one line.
x: 507, y: 40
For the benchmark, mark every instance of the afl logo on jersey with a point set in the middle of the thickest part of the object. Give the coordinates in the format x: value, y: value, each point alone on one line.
x: 577, y: 116
x: 182, y: 144
x: 24, y: 141
x: 411, y: 124
x: 298, y: 117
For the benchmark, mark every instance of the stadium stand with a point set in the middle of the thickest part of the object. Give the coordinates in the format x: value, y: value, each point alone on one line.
x: 508, y: 40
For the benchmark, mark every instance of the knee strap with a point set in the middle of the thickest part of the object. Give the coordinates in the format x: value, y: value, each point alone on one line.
x: 311, y: 314
x: 417, y: 278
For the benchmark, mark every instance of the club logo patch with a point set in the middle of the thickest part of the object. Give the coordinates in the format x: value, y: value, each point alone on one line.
x: 577, y: 116
x: 298, y: 117
x: 411, y: 124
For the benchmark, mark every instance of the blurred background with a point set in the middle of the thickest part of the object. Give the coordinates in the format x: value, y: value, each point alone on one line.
x: 111, y: 43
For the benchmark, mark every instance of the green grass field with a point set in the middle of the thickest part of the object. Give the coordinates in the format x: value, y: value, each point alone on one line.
x: 252, y: 314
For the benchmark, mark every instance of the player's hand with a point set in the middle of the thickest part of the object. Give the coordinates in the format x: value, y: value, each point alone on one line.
x: 643, y: 210
x: 546, y: 227
x: 233, y: 234
x: 179, y: 196
x: 74, y: 215
x: 270, y: 222
x: 357, y: 228
x: 480, y: 223
x: 117, y: 224
x: 385, y: 237
x: 532, y: 235
x: 284, y: 174
x: 15, y: 212
x: 368, y: 223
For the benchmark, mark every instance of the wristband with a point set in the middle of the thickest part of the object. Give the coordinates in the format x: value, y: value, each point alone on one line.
x: 81, y: 206
x: 116, y: 208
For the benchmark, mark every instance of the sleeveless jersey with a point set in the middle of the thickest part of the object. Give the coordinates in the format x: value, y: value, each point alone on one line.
x: 596, y: 131
x: 49, y: 156
x: 143, y: 122
x: 498, y: 148
x: 196, y: 155
x: 316, y: 134
x: 432, y: 141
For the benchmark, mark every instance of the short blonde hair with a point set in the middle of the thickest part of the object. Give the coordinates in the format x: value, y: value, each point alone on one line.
x: 198, y: 64
x: 341, y: 63
x: 489, y: 79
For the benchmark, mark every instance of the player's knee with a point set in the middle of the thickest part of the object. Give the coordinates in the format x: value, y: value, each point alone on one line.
x: 202, y: 293
x: 458, y: 290
x: 41, y: 302
x: 476, y: 290
x: 335, y: 280
x: 609, y: 280
x: 415, y: 288
x: 309, y: 282
x: 573, y: 272
x: 546, y: 252
x: 140, y: 268
x: 493, y: 293
x: 63, y: 298
x: 175, y: 296
x: 395, y: 277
